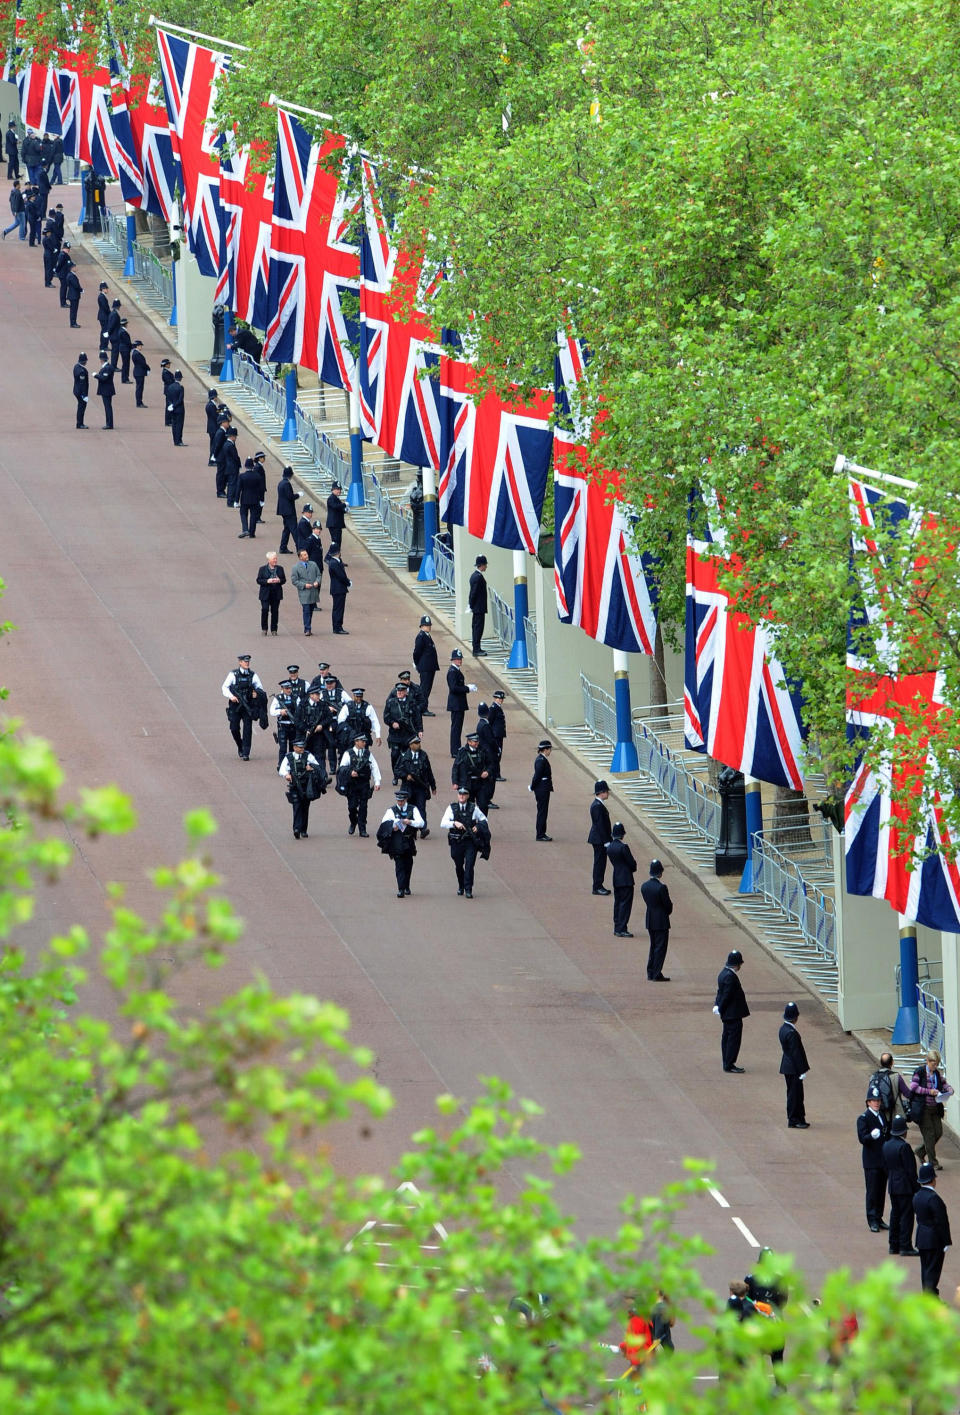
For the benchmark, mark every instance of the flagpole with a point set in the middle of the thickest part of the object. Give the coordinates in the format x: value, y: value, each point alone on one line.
x: 754, y: 809
x: 196, y: 34
x: 276, y: 102
x: 521, y: 608
x: 428, y: 565
x: 625, y: 753
x: 906, y: 1029
x: 843, y: 464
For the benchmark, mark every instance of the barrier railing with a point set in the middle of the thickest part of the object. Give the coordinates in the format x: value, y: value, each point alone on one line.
x: 114, y: 229
x: 503, y: 619
x: 808, y: 836
x: 932, y: 1028
x: 394, y: 518
x: 599, y: 711
x: 151, y: 269
x: 530, y: 628
x: 443, y: 559
x: 324, y: 453
x: 779, y: 880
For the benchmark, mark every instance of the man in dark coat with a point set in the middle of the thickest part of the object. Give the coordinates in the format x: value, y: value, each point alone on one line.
x: 287, y: 497
x: 872, y: 1133
x: 901, y: 1165
x: 599, y: 836
x: 933, y: 1229
x: 113, y: 334
x: 103, y: 313
x: 61, y: 270
x: 166, y: 378
x: 457, y: 689
x: 73, y: 290
x: 140, y: 370
x: 304, y: 528
x: 488, y: 747
x: 211, y: 410
x: 32, y: 206
x: 498, y: 726
x: 248, y: 494
x: 56, y: 161
x: 793, y: 1067
x: 231, y: 466
x: 18, y: 210
x: 656, y: 896
x: 124, y: 349
x: 426, y: 661
x: 336, y: 515
x: 477, y: 600
x: 731, y: 1007
x: 43, y: 191
x: 260, y: 467
x: 11, y: 146
x: 50, y: 246
x: 219, y: 442
x: 271, y: 579
x: 339, y: 585
x: 81, y: 388
x: 176, y: 408
x: 542, y: 785
x: 106, y: 390
x: 624, y: 869
x: 314, y: 548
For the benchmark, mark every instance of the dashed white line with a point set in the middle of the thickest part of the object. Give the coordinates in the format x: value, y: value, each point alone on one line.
x: 739, y: 1223
x: 715, y: 1194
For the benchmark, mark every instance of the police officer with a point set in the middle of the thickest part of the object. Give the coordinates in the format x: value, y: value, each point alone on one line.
x: 402, y: 720
x: 140, y: 370
x: 426, y: 661
x: 61, y: 270
x: 306, y: 780
x: 457, y: 689
x: 332, y: 698
x: 124, y: 350
x: 287, y: 497
x: 113, y: 334
x: 488, y: 749
x: 656, y: 896
x: 219, y: 442
x: 477, y: 601
x: 304, y: 528
x: 106, y: 390
x: 298, y: 685
x: 498, y: 726
x: 872, y: 1134
x: 413, y: 691
x: 542, y: 785
x: 901, y: 1165
x: 358, y: 776
x: 166, y: 378
x: 11, y: 146
x: 339, y: 585
x: 260, y: 467
x: 81, y: 388
x: 600, y: 834
x: 624, y: 869
x: 231, y: 466
x: 246, y: 704
x: 248, y: 497
x: 73, y: 292
x: 176, y: 408
x: 336, y: 515
x: 471, y: 769
x: 284, y: 710
x: 325, y: 676
x: 468, y: 835
x: 397, y: 837
x: 211, y: 410
x: 357, y: 716
x: 416, y: 773
x: 50, y: 246
x: 103, y: 313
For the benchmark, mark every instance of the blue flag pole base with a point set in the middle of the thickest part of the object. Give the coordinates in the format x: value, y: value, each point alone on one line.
x: 625, y: 758
x: 906, y: 1029
x: 289, y: 433
x: 428, y: 566
x: 519, y: 658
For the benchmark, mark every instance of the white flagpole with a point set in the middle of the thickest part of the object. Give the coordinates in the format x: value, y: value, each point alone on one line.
x: 196, y: 34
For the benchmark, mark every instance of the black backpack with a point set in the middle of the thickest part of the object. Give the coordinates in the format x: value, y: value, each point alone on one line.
x: 888, y: 1093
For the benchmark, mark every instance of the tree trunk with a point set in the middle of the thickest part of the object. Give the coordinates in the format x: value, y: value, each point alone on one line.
x: 791, y: 823
x: 658, y: 673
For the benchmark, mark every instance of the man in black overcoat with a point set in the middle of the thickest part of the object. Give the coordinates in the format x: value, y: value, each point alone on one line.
x: 656, y: 896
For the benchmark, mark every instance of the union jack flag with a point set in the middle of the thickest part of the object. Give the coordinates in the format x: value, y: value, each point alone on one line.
x: 247, y: 201
x: 100, y: 137
x: 886, y: 856
x: 191, y: 74
x: 398, y: 403
x: 124, y: 145
x: 494, y: 456
x: 151, y: 137
x: 737, y: 703
x: 600, y: 583
x: 314, y: 256
x: 34, y: 84
x: 72, y: 126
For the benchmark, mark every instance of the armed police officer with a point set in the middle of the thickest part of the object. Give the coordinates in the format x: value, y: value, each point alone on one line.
x: 284, y: 710
x: 246, y: 704
x: 469, y: 836
x: 402, y: 719
x: 397, y: 837
x: 416, y: 773
x: 358, y: 776
x: 357, y: 716
x: 306, y: 781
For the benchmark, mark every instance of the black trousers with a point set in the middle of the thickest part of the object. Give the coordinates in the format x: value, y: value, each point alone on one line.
x: 418, y: 800
x: 730, y: 1042
x: 241, y: 728
x: 477, y: 623
x: 81, y: 409
x: 289, y: 525
x: 49, y: 260
x: 599, y: 865
x: 875, y: 1184
x: 795, y: 1110
x: 336, y: 611
x: 74, y: 305
x: 114, y: 355
x: 176, y: 425
x: 248, y: 520
x: 138, y: 390
x: 13, y: 169
x: 108, y: 410
x: 464, y: 862
x: 901, y: 1222
x: 125, y: 366
x: 659, y: 939
x: 301, y: 812
x: 271, y: 610
x: 357, y: 803
x: 456, y: 731
x: 622, y: 906
x: 931, y: 1266
x: 63, y: 294
x: 484, y: 792
x: 103, y: 338
x: 543, y: 808
x: 403, y: 865
x: 426, y: 686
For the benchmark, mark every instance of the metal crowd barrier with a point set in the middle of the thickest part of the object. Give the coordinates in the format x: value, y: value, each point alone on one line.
x: 779, y: 880
x: 503, y: 619
x: 323, y: 451
x: 395, y: 521
x: 152, y: 271
x: 443, y: 559
x: 809, y: 836
x: 115, y: 229
x: 530, y: 629
x: 932, y: 1028
x: 599, y: 711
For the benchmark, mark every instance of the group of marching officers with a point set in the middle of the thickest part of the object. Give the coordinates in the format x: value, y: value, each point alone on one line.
x: 325, y: 735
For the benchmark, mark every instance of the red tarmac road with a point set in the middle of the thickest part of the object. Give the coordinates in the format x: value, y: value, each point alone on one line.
x: 132, y: 596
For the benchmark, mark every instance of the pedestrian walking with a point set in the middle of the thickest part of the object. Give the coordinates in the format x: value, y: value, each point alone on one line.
x: 624, y: 869
x: 339, y: 585
x: 894, y: 1091
x: 731, y: 1007
x: 305, y: 579
x: 933, y: 1229
x: 81, y: 388
x: 656, y: 896
x: 140, y: 370
x: 457, y: 689
x: 468, y: 835
x: 426, y: 661
x: 287, y: 497
x: 415, y: 771
x: 74, y: 290
x: 106, y: 389
x: 271, y: 579
x: 542, y: 785
x: 248, y: 497
x: 873, y: 1132
x: 793, y: 1067
x: 477, y: 602
x: 11, y: 147
x: 176, y: 408
x: 928, y: 1090
x: 246, y: 704
x: 901, y: 1166
x: 599, y: 836
x: 358, y: 776
x: 336, y: 515
x: 498, y: 726
x: 397, y: 837
x: 18, y: 211
x: 306, y: 782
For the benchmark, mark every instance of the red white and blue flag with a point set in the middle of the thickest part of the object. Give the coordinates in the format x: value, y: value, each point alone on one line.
x: 125, y: 150
x: 886, y: 856
x: 601, y: 584
x: 314, y: 256
x: 494, y: 455
x: 191, y: 74
x: 246, y: 197
x: 738, y: 706
x: 153, y: 144
x: 36, y: 85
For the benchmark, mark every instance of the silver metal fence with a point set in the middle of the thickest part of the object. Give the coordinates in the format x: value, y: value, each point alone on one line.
x: 599, y: 711
x: 394, y: 518
x: 324, y: 453
x: 152, y: 270
x: 503, y: 619
x: 530, y: 629
x: 779, y: 880
x: 932, y: 1028
x: 807, y: 836
x: 115, y: 229
x: 443, y: 559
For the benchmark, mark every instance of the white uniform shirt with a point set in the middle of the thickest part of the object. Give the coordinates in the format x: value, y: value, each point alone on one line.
x: 447, y: 821
x: 374, y: 769
x: 369, y: 713
x: 231, y: 678
x: 415, y: 818
x: 284, y: 768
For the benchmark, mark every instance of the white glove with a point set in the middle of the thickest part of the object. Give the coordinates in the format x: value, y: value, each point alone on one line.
x: 86, y: 399
x: 472, y: 687
x: 717, y: 1011
x: 803, y: 1077
x: 875, y: 1134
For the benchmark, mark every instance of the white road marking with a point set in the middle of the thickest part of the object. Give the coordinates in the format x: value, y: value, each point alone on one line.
x: 739, y: 1223
x: 715, y: 1193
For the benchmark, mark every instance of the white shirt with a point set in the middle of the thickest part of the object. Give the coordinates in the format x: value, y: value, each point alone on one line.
x: 277, y: 707
x: 447, y: 821
x: 284, y: 769
x: 374, y: 769
x: 369, y: 713
x: 231, y: 678
x: 416, y: 819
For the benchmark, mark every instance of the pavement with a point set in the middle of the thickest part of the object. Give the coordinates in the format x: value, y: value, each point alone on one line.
x: 132, y: 596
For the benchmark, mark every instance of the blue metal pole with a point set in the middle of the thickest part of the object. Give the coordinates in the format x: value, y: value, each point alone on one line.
x: 754, y: 827
x: 625, y: 753
x: 521, y: 608
x: 289, y: 433
x: 906, y: 1029
x: 431, y: 524
x: 355, y: 496
x: 130, y: 265
x: 227, y: 373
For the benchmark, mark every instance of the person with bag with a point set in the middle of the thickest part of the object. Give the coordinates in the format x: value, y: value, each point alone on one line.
x: 928, y: 1088
x: 358, y: 776
x: 306, y: 782
x: 397, y: 837
x: 894, y: 1091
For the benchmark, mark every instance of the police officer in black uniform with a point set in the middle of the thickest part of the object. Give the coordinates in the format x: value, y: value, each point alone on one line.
x: 124, y: 350
x: 358, y: 776
x: 401, y: 719
x: 426, y: 661
x: 498, y: 726
x: 106, y: 390
x: 113, y: 334
x: 81, y: 388
x: 397, y: 837
x: 284, y: 710
x: 469, y: 836
x: 61, y: 270
x: 600, y: 835
x: 457, y: 689
x: 336, y: 515
x: 477, y: 602
x: 416, y: 773
x: 306, y: 780
x: 176, y: 408
x: 103, y: 313
x: 246, y: 704
x: 542, y: 785
x: 140, y: 370
x: 73, y: 291
x: 166, y: 378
